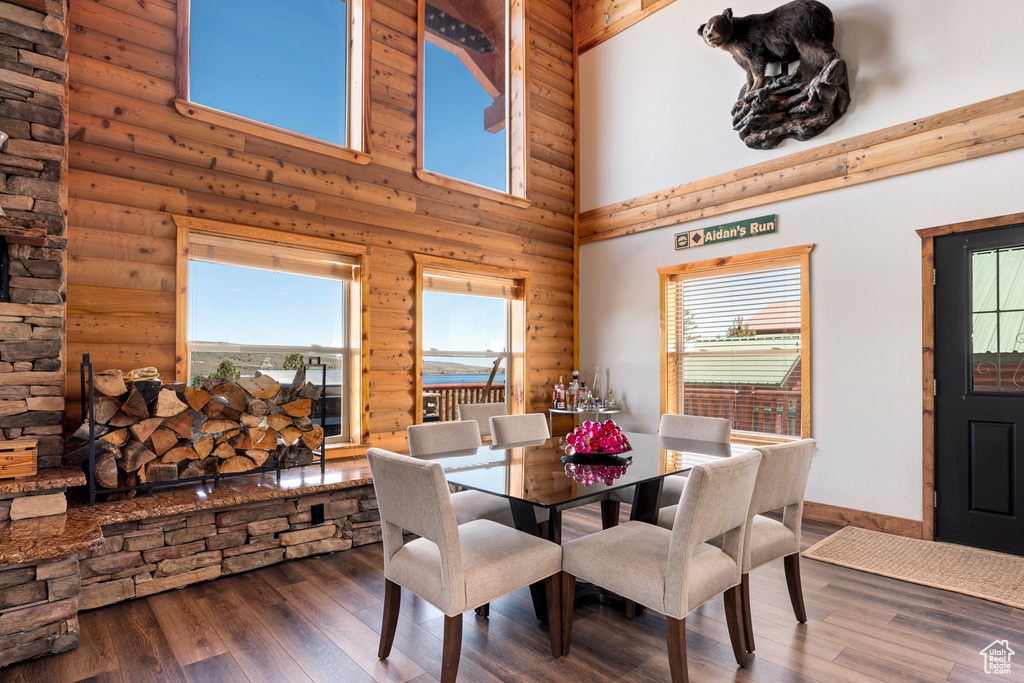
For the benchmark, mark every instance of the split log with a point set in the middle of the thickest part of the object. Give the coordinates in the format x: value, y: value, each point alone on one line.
x: 304, y: 456
x: 212, y: 382
x: 217, y: 426
x: 313, y: 438
x: 119, y: 419
x: 203, y: 444
x: 268, y: 442
x: 116, y: 438
x: 157, y: 471
x: 227, y: 436
x: 271, y: 405
x: 311, y: 391
x: 163, y: 440
x: 134, y: 405
x: 290, y: 435
x: 269, y: 388
x: 82, y: 433
x: 255, y: 406
x: 109, y: 382
x: 106, y: 471
x: 219, y: 409
x: 300, y: 408
x: 249, y: 386
x: 180, y: 424
x: 242, y: 442
x: 190, y: 469
x: 257, y: 456
x: 279, y: 422
x: 180, y: 453
x: 80, y: 455
x: 149, y: 389
x: 238, y: 463
x: 250, y: 420
x: 197, y: 398
x: 223, y: 451
x: 257, y: 433
x: 298, y: 380
x: 167, y: 405
x: 133, y: 456
x: 104, y: 407
x: 142, y: 430
x: 233, y: 394
x: 303, y: 423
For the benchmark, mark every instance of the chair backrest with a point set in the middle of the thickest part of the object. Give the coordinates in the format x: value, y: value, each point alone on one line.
x: 781, y: 483
x: 441, y: 437
x: 507, y: 429
x: 715, y: 502
x: 482, y: 413
x: 412, y: 495
x: 715, y: 429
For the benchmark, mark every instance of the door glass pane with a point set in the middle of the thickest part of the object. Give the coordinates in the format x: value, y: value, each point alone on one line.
x: 997, y: 329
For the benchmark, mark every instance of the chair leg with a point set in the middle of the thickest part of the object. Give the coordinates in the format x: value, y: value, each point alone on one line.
x: 392, y: 603
x: 609, y: 513
x: 748, y: 624
x: 452, y: 648
x: 554, y: 589
x: 568, y: 605
x: 676, y: 640
x: 629, y: 607
x: 796, y: 591
x: 734, y: 620
x: 484, y: 610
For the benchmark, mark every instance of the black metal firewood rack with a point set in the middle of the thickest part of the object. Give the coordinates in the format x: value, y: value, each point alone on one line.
x: 93, y: 488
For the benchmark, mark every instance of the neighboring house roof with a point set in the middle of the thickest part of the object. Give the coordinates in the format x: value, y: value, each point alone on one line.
x: 764, y: 360
x: 1008, y: 334
x: 781, y: 315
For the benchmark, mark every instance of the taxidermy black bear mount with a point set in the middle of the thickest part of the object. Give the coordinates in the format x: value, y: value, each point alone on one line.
x: 798, y: 105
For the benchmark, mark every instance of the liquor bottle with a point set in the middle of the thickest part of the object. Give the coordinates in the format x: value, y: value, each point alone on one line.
x: 610, y: 404
x: 574, y: 389
x: 595, y: 388
x: 582, y: 397
x: 559, y: 402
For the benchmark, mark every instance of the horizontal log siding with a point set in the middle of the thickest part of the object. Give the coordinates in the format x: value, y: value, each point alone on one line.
x: 134, y: 161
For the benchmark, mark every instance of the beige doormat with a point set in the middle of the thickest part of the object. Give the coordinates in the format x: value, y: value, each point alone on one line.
x: 981, y: 573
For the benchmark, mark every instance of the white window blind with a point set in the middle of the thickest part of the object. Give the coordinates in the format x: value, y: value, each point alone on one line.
x: 445, y: 281
x: 733, y: 346
x: 274, y: 257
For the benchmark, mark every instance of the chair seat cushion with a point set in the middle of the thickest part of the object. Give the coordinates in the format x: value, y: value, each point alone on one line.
x: 470, y: 505
x: 770, y: 540
x: 667, y: 516
x: 496, y: 560
x: 629, y: 559
x: 712, y: 571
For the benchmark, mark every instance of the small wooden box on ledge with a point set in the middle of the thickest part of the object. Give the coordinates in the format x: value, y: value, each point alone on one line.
x: 17, y: 458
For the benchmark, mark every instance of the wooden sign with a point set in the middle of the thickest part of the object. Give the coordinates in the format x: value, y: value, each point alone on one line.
x: 762, y: 225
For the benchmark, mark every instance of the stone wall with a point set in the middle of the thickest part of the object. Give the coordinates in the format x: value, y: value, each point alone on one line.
x: 141, y: 558
x: 33, y: 189
x: 38, y: 609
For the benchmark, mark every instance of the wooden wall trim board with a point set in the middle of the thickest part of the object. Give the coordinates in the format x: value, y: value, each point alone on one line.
x: 928, y: 236
x: 899, y: 526
x: 590, y: 18
x: 989, y: 127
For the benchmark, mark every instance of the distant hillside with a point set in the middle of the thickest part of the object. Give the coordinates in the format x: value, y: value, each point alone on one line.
x: 435, y: 368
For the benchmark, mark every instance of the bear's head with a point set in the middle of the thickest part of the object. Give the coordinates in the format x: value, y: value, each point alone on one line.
x: 718, y: 30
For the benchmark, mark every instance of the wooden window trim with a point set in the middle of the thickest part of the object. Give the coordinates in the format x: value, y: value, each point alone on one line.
x: 358, y: 106
x: 359, y: 385
x: 518, y: 99
x: 519, y: 362
x: 734, y: 264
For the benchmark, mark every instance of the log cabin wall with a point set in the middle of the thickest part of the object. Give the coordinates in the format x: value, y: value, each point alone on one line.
x: 135, y: 162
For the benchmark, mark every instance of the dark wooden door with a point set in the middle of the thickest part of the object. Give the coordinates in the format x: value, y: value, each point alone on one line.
x: 979, y: 405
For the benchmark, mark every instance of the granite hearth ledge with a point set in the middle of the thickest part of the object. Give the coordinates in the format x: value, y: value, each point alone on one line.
x: 45, y: 538
x: 251, y: 488
x: 48, y: 479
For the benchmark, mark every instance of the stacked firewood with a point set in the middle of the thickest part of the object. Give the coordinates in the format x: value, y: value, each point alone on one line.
x: 147, y: 431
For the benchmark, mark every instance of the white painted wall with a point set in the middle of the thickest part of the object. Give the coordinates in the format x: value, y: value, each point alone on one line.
x: 655, y: 113
x: 655, y: 100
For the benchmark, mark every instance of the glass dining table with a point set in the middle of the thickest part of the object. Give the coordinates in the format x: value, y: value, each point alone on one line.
x: 533, y: 478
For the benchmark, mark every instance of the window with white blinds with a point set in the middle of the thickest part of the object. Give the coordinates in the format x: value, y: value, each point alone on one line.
x: 736, y: 344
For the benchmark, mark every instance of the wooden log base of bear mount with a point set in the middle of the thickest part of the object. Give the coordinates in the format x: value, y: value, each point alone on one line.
x: 787, y: 108
x: 182, y: 432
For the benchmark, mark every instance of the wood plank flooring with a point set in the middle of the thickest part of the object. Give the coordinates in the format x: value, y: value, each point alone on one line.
x: 318, y: 620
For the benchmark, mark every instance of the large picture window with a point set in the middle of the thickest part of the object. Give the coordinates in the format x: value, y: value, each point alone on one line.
x: 471, y: 88
x: 736, y: 343
x: 292, y: 66
x: 256, y: 307
x: 471, y: 340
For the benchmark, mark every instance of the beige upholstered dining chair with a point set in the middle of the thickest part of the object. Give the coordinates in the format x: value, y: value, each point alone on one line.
x: 675, y: 571
x: 454, y: 567
x: 432, y: 438
x: 482, y: 413
x: 781, y: 482
x: 508, y: 429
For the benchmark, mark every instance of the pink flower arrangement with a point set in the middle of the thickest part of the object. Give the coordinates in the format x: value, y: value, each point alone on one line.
x: 595, y: 437
x: 596, y: 440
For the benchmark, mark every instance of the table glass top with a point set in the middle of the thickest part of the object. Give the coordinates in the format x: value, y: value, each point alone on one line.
x: 533, y: 471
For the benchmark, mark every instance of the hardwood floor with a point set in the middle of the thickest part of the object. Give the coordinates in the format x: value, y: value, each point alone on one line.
x: 318, y: 620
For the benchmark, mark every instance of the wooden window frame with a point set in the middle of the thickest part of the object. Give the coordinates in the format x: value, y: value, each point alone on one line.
x: 358, y: 397
x: 519, y: 361
x: 357, y: 99
x: 735, y: 264
x: 517, y: 98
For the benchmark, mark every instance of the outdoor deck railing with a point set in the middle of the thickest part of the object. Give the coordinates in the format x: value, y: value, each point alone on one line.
x: 771, y: 411
x: 452, y: 395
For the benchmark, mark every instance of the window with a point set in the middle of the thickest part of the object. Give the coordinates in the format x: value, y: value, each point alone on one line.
x: 736, y: 343
x: 472, y: 90
x: 281, y: 67
x: 257, y: 306
x: 471, y: 339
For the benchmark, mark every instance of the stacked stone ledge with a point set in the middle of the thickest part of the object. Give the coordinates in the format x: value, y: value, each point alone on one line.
x: 38, y: 609
x: 141, y: 558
